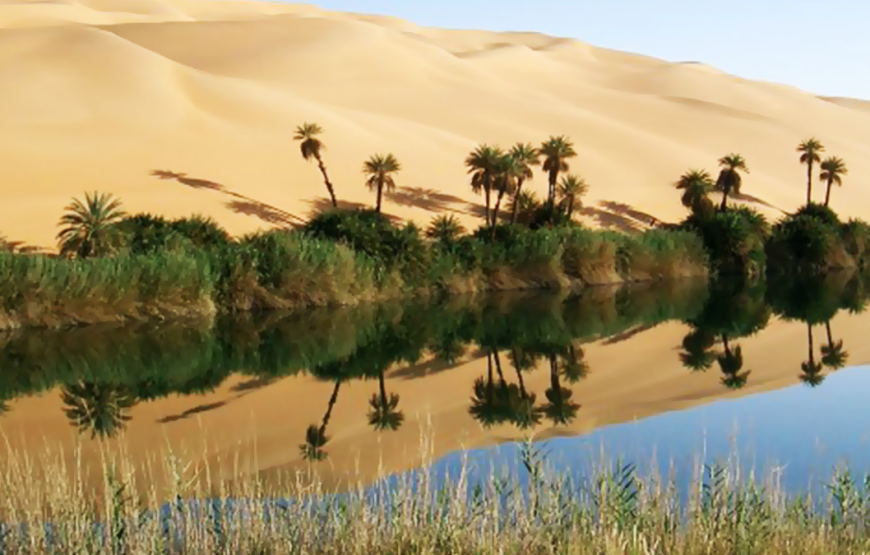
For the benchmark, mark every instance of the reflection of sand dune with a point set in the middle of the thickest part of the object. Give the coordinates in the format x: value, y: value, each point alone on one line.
x: 96, y: 93
x: 625, y: 383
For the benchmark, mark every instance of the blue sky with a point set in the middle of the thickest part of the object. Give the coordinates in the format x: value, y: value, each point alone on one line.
x: 822, y: 47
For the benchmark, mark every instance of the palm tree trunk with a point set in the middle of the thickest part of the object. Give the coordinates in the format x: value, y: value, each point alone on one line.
x: 554, y: 374
x: 725, y: 344
x: 569, y: 210
x: 810, y: 343
x: 551, y: 191
x: 383, y: 387
x: 487, y: 188
x: 380, y: 194
x: 828, y: 330
x: 828, y: 192
x: 515, y: 207
x: 724, y: 200
x: 329, y: 187
x: 498, y: 366
x: 332, y: 399
x: 810, y: 182
x: 495, y: 212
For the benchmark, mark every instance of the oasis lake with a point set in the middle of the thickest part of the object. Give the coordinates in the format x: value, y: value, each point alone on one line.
x: 665, y: 373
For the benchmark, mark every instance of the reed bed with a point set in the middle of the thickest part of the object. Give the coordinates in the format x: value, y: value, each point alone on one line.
x: 614, y: 508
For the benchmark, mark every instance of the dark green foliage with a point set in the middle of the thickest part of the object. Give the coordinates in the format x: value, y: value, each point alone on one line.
x: 202, y: 231
x: 394, y: 247
x: 819, y: 211
x: 734, y: 240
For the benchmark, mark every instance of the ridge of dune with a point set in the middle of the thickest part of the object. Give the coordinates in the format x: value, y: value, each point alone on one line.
x: 98, y: 94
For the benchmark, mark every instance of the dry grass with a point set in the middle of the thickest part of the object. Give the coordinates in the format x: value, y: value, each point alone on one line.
x: 613, y: 509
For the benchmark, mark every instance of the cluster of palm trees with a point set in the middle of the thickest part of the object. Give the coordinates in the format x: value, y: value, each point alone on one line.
x: 698, y: 184
x: 495, y: 173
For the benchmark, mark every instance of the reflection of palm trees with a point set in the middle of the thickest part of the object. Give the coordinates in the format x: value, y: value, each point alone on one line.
x: 315, y: 436
x: 488, y: 404
x: 811, y: 371
x: 102, y: 409
x: 730, y: 363
x: 697, y: 351
x: 572, y: 364
x: 384, y: 414
x: 525, y: 413
x: 448, y: 348
x: 833, y: 355
x: 560, y: 409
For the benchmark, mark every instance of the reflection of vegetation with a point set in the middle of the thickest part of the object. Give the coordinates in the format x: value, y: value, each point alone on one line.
x: 731, y: 364
x: 100, y: 408
x: 811, y: 371
x: 384, y: 413
x: 315, y: 436
x: 833, y: 355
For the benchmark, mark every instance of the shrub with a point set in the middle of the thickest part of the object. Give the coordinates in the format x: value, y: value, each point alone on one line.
x: 734, y: 240
x: 804, y: 243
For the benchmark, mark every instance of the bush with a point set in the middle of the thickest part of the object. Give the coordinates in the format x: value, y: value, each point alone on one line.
x: 734, y: 240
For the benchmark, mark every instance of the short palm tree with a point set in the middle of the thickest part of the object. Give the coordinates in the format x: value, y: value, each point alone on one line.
x: 90, y: 226
x: 101, y: 409
x: 525, y: 156
x: 811, y: 371
x: 312, y: 148
x: 833, y: 355
x: 488, y: 404
x: 380, y: 170
x: 524, y: 204
x: 810, y: 150
x: 483, y: 165
x: 559, y: 409
x: 697, y: 354
x: 696, y: 186
x: 445, y: 229
x: 556, y: 151
x: 730, y: 180
x: 571, y: 190
x: 315, y: 436
x: 384, y: 414
x: 833, y: 170
x: 731, y: 364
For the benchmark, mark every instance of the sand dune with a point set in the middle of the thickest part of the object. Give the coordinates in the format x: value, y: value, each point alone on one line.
x: 97, y: 94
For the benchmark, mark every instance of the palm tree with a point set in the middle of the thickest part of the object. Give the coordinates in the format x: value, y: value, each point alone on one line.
x: 102, y: 409
x: 525, y: 156
x: 483, y: 165
x: 833, y: 355
x: 559, y: 409
x: 384, y: 414
x: 811, y: 371
x: 833, y: 170
x: 729, y: 180
x: 488, y: 404
x: 524, y: 204
x: 90, y: 225
x: 526, y: 414
x: 311, y: 147
x: 810, y: 150
x: 730, y: 363
x: 556, y: 151
x: 380, y: 169
x: 571, y: 189
x: 572, y: 364
x: 696, y: 186
x: 315, y: 436
x: 509, y: 171
x: 445, y: 229
x: 697, y: 354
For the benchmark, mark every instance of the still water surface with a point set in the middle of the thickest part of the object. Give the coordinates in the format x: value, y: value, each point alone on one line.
x: 663, y: 373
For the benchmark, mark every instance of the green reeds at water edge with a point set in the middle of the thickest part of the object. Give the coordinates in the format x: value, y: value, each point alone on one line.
x: 614, y: 507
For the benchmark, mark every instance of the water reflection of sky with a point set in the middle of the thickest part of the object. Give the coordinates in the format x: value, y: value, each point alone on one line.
x: 805, y: 430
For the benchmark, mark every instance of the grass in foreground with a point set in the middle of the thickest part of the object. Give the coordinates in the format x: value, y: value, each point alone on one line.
x: 614, y: 509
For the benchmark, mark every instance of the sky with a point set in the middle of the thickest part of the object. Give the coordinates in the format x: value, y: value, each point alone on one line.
x: 821, y: 47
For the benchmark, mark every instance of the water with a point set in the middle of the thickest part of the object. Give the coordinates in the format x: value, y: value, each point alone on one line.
x: 664, y: 373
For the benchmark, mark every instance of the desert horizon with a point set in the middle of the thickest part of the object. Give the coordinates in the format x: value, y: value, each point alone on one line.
x: 181, y: 107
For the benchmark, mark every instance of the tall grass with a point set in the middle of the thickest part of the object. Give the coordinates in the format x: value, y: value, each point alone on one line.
x: 614, y: 507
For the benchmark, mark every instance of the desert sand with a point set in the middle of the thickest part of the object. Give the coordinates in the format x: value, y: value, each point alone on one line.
x: 101, y: 94
x: 98, y: 94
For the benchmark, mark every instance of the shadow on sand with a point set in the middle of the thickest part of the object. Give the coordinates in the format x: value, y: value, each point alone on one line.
x: 427, y: 199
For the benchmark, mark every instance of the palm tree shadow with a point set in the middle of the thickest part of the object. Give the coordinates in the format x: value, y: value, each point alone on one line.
x: 246, y: 205
x: 610, y: 220
x: 190, y: 412
x: 755, y: 200
x: 427, y: 199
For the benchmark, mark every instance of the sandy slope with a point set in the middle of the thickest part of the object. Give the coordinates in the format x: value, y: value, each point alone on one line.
x: 629, y: 380
x: 97, y: 94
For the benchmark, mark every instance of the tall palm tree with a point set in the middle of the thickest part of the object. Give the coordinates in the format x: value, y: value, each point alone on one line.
x: 833, y: 355
x: 312, y: 147
x: 483, y: 165
x: 525, y: 156
x: 90, y: 226
x: 833, y: 170
x: 99, y: 408
x: 810, y: 150
x: 556, y: 151
x: 384, y: 414
x: 697, y: 354
x: 696, y: 186
x: 571, y: 190
x: 730, y: 180
x: 380, y: 169
x: 559, y: 409
x: 730, y: 364
x: 315, y: 436
x: 811, y: 371
x: 509, y: 171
